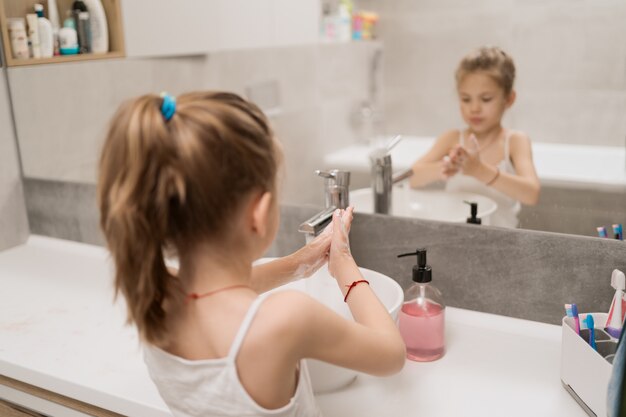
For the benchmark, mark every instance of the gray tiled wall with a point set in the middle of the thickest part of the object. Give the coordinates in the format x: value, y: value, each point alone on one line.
x: 571, y: 71
x: 13, y: 220
x: 516, y: 273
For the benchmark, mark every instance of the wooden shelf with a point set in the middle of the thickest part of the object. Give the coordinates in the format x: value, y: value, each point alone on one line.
x: 19, y: 8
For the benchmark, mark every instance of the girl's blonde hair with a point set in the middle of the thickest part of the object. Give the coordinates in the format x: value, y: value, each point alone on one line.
x: 173, y: 184
x: 492, y: 60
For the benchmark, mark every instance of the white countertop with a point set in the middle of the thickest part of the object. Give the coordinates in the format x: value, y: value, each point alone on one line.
x: 59, y: 330
x: 556, y: 164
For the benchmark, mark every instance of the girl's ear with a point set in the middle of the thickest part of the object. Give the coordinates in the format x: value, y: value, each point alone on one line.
x: 261, y: 210
x: 511, y: 99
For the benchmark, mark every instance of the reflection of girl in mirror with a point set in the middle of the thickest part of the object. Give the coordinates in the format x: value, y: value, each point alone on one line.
x: 484, y: 157
x: 198, y: 177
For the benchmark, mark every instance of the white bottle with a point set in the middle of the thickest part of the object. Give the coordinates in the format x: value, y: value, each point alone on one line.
x: 46, y: 41
x: 99, y: 27
x: 33, y: 35
x: 18, y: 37
x: 53, y: 16
x: 344, y: 23
x: 68, y: 38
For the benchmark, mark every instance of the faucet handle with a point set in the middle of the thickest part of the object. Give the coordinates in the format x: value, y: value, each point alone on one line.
x: 335, y: 177
x: 324, y: 174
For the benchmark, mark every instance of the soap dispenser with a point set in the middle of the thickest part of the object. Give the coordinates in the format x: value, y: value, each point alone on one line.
x: 473, y: 213
x: 421, y: 319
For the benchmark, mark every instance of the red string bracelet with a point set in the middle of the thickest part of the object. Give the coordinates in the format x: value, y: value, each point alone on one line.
x: 354, y: 284
x: 495, y: 177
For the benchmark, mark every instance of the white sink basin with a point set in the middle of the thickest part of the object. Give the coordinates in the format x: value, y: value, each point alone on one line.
x: 427, y: 204
x: 321, y: 286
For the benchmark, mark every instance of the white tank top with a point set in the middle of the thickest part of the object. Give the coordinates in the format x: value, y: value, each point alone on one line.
x: 211, y: 387
x: 508, y: 208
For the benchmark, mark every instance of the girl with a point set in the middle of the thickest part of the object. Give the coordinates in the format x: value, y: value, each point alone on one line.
x: 484, y: 157
x: 198, y: 177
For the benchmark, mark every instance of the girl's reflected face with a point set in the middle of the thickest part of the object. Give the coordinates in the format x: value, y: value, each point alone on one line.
x: 482, y: 101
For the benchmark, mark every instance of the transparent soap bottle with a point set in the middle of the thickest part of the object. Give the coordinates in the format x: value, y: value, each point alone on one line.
x: 422, y: 317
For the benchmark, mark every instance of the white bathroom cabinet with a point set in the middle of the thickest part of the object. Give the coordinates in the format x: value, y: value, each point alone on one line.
x: 187, y: 27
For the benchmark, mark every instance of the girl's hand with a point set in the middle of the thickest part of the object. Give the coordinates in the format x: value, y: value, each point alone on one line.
x: 470, y: 157
x: 340, y: 258
x: 311, y: 257
x: 450, y: 165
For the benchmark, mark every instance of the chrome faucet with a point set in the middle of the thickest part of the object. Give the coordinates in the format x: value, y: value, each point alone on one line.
x: 336, y: 190
x: 382, y: 177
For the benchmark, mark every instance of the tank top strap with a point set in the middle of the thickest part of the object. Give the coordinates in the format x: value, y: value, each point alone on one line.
x: 243, y: 328
x: 507, y: 139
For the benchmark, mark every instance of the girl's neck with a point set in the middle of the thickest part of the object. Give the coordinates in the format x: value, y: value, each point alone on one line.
x: 208, y: 270
x: 488, y: 135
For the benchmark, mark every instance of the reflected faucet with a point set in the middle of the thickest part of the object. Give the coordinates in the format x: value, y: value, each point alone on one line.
x: 382, y: 177
x: 336, y: 191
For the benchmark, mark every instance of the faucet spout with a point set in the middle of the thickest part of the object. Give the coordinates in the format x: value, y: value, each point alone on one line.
x: 318, y: 222
x: 336, y: 187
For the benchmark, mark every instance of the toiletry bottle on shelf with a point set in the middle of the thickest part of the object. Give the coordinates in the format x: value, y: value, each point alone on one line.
x: 33, y: 35
x: 421, y: 319
x: 83, y: 30
x: 98, y: 26
x: 46, y: 39
x: 18, y: 37
x: 68, y: 39
x: 53, y: 16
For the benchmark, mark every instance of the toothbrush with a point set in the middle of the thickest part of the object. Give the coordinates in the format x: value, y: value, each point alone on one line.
x: 572, y: 311
x: 602, y: 231
x: 616, y: 313
x: 617, y: 231
x: 589, y: 324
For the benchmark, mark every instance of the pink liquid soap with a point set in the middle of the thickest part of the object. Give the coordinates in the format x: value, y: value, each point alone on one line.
x: 422, y: 328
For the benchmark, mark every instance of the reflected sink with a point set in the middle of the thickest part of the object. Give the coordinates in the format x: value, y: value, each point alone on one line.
x: 321, y: 286
x: 427, y: 204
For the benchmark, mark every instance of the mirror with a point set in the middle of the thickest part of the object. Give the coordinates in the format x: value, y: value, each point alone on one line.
x: 571, y: 93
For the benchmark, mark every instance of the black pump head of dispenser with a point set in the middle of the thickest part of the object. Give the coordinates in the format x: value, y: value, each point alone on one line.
x: 422, y: 272
x: 474, y: 211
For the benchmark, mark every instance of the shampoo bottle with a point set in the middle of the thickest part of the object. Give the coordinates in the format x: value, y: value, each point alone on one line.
x: 33, y: 35
x: 421, y: 319
x: 46, y: 40
x: 53, y: 15
x: 18, y: 37
x: 98, y: 26
x: 81, y: 21
x: 68, y: 39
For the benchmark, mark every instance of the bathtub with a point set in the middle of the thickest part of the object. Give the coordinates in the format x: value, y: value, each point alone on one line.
x: 558, y: 165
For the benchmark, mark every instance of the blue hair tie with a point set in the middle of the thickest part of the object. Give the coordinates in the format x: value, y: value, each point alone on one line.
x: 168, y: 108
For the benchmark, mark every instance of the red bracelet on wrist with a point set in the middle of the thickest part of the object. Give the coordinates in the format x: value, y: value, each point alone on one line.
x: 354, y: 284
x: 495, y: 177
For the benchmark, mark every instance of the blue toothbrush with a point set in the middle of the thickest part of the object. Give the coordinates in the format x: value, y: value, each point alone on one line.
x: 592, y: 334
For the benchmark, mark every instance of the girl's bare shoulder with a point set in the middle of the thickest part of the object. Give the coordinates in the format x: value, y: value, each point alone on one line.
x: 519, y: 141
x: 451, y: 137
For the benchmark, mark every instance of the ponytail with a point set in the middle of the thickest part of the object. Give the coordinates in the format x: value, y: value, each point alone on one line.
x: 172, y: 184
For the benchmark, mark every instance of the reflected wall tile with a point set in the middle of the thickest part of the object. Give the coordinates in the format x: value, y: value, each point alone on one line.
x: 296, y: 70
x: 575, y: 116
x: 299, y: 134
x: 424, y: 6
x: 421, y: 114
x: 13, y: 220
x: 573, y: 46
x: 62, y: 111
x: 344, y: 69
